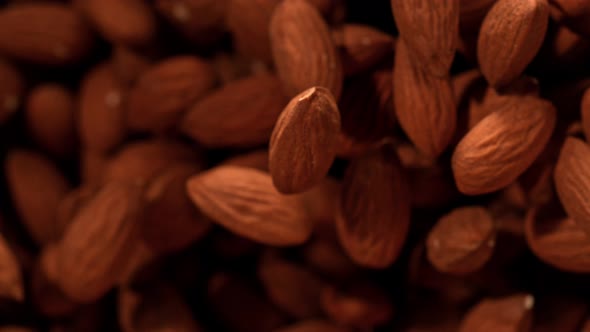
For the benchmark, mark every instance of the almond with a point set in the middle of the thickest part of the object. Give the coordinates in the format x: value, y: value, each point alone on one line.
x: 304, y: 141
x: 129, y: 64
x: 36, y: 188
x: 49, y: 33
x: 164, y: 92
x: 424, y: 104
x: 503, y: 145
x: 462, y: 241
x: 95, y: 248
x: 11, y: 280
x: 510, y: 36
x: 430, y: 29
x: 296, y: 26
x: 240, y: 114
x: 510, y: 313
x: 374, y: 214
x: 11, y: 90
x: 245, y: 202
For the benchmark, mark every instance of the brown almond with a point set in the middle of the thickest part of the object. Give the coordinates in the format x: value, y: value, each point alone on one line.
x: 36, y: 188
x: 11, y: 90
x: 361, y: 46
x: 129, y: 22
x: 326, y: 257
x: 374, y: 214
x: 462, y: 241
x: 571, y: 180
x: 92, y: 166
x: 129, y: 64
x: 313, y: 325
x: 296, y: 26
x: 95, y: 248
x: 11, y: 280
x: 424, y: 104
x: 304, y: 141
x: 102, y: 113
x: 51, y: 118
x: 503, y: 145
x: 164, y: 92
x: 69, y: 206
x: 49, y: 33
x: 239, y: 114
x: 245, y: 202
x: 510, y: 36
x: 510, y: 313
x: 430, y: 29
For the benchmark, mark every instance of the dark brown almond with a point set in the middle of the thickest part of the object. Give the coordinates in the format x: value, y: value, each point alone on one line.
x: 129, y: 64
x: 240, y: 114
x: 374, y: 214
x: 51, y: 118
x: 36, y: 187
x: 503, y: 145
x: 510, y: 313
x: 244, y: 201
x: 430, y: 29
x: 304, y: 141
x: 11, y: 90
x: 462, y: 241
x: 424, y: 104
x: 11, y: 280
x: 327, y: 258
x: 69, y: 206
x: 164, y: 92
x: 49, y: 33
x: 509, y: 38
x: 296, y: 26
x: 102, y: 113
x: 572, y: 13
x: 92, y: 166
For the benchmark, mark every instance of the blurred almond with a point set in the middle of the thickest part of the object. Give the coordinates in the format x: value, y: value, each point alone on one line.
x: 510, y: 313
x: 11, y: 90
x: 129, y: 63
x: 11, y: 280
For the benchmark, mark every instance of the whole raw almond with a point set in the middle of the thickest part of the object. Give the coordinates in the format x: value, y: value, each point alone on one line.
x: 49, y: 33
x: 430, y: 29
x: 374, y: 214
x: 510, y: 36
x: 304, y: 141
x: 11, y: 280
x: 296, y: 26
x: 510, y: 313
x: 244, y: 201
x: 36, y: 187
x: 164, y: 92
x: 424, y: 104
x: 239, y: 114
x: 11, y: 90
x: 571, y: 181
x: 503, y: 145
x: 96, y: 247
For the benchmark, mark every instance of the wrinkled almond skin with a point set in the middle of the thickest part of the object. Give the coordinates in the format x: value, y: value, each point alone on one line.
x: 95, y: 248
x: 304, y: 141
x: 129, y: 22
x: 510, y: 36
x: 11, y: 280
x: 430, y: 29
x: 11, y: 90
x: 374, y: 213
x: 164, y: 92
x: 239, y: 114
x: 36, y: 187
x: 462, y: 241
x: 49, y: 33
x: 506, y: 314
x: 571, y: 181
x: 245, y: 202
x: 502, y: 145
x: 296, y: 26
x: 424, y: 104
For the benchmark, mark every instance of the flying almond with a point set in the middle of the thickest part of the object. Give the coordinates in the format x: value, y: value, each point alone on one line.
x: 304, y: 141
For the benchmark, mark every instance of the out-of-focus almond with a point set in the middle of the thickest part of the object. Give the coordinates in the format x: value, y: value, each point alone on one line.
x: 11, y: 90
x: 128, y: 63
x: 11, y: 280
x: 510, y: 313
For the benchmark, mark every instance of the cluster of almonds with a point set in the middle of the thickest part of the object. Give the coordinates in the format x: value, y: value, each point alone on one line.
x: 271, y: 166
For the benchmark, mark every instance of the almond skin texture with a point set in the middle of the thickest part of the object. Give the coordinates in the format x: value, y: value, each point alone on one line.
x: 571, y: 178
x: 49, y: 33
x: 129, y: 22
x: 96, y: 247
x: 462, y: 241
x: 424, y: 104
x: 374, y: 214
x: 164, y: 92
x: 245, y: 202
x: 304, y: 141
x: 430, y: 29
x: 240, y: 114
x: 510, y: 37
x: 11, y: 90
x: 295, y: 28
x: 36, y: 187
x: 506, y: 314
x: 502, y: 145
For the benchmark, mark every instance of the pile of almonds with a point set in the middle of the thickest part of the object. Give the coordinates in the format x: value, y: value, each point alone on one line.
x: 295, y: 165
